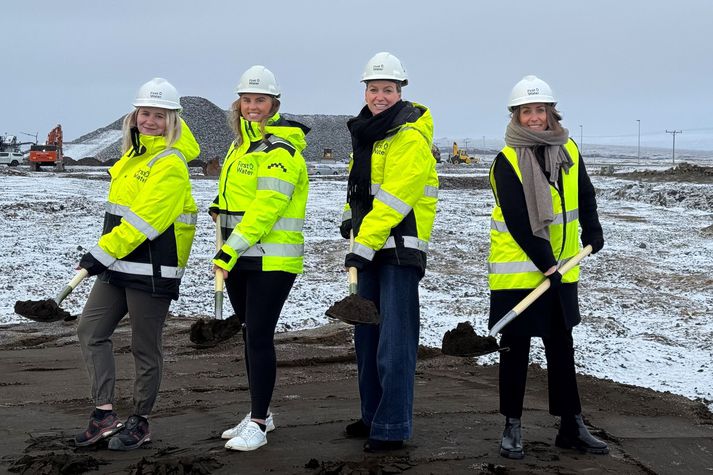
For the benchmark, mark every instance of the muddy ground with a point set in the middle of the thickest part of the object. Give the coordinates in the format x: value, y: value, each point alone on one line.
x: 43, y: 403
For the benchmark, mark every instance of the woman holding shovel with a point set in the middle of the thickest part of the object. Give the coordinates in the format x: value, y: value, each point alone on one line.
x: 391, y: 204
x: 543, y: 196
x: 262, y: 196
x: 148, y: 232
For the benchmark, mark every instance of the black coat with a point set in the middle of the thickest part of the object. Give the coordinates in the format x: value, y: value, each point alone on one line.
x: 535, y: 320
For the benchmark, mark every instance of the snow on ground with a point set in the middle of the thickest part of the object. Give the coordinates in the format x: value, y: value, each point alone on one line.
x: 646, y: 299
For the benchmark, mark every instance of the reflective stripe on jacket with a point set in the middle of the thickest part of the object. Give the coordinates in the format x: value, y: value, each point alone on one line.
x: 404, y: 184
x: 262, y: 196
x: 508, y: 265
x: 150, y: 217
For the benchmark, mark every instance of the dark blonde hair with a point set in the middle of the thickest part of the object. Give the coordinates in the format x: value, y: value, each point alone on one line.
x: 553, y: 116
x: 172, y: 132
x: 235, y: 115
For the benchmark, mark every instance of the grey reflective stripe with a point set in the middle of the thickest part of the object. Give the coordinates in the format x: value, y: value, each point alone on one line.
x: 101, y: 255
x: 142, y: 226
x: 142, y: 268
x: 275, y: 184
x: 289, y: 224
x: 188, y: 218
x: 347, y: 215
x: 393, y: 202
x: 134, y: 219
x: 363, y: 251
x: 500, y: 226
x: 516, y: 267
x: 411, y: 242
x: 430, y: 191
x: 231, y: 220
x: 237, y: 242
x: 275, y: 250
x: 166, y: 153
x: 375, y: 187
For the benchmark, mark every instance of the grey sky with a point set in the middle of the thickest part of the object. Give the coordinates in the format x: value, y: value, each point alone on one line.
x: 609, y: 62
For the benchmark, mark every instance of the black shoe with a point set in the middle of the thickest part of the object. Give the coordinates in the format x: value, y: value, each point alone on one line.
x: 357, y: 429
x: 573, y: 434
x: 511, y: 444
x: 133, y: 435
x: 376, y: 445
x: 99, y: 428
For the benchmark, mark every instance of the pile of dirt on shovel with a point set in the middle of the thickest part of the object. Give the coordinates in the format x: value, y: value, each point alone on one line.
x: 42, y: 310
x: 208, y: 332
x: 462, y: 341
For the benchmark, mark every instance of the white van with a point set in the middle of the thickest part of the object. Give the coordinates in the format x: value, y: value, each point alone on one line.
x: 11, y: 158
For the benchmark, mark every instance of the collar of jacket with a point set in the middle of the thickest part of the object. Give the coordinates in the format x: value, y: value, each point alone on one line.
x: 276, y: 125
x: 415, y: 116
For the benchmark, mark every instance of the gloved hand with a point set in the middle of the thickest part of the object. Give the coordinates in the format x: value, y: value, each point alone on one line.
x: 555, y: 279
x: 93, y: 266
x: 225, y: 258
x: 345, y: 228
x: 597, y: 242
x: 355, y: 260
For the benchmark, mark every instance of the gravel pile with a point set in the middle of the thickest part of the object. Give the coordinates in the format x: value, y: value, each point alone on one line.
x: 209, y: 124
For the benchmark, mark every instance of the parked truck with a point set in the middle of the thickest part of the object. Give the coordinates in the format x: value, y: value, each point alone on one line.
x: 48, y: 154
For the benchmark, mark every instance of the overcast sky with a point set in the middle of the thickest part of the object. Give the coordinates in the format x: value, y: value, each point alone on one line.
x: 610, y: 62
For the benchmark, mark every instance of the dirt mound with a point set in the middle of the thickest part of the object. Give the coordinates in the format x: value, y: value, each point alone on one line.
x: 42, y: 310
x: 198, y: 465
x: 682, y: 172
x: 462, y: 341
x: 208, y: 332
x: 56, y: 463
x: 462, y: 182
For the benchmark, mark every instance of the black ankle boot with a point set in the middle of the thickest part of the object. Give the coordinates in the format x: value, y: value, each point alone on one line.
x: 511, y: 445
x: 573, y: 434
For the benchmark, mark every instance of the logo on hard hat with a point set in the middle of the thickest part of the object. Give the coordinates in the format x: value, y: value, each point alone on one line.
x: 378, y: 67
x: 533, y: 91
x: 254, y: 82
x: 155, y: 94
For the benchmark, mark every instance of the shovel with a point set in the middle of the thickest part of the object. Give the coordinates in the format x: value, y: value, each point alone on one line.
x: 464, y: 342
x: 48, y: 310
x: 218, y: 273
x: 354, y: 309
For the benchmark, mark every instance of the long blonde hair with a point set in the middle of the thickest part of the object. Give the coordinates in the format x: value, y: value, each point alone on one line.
x: 172, y: 132
x: 235, y: 115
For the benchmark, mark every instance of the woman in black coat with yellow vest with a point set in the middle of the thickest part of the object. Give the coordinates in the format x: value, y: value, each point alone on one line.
x: 543, y: 196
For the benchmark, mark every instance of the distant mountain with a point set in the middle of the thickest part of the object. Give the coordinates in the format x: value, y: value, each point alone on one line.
x: 209, y: 124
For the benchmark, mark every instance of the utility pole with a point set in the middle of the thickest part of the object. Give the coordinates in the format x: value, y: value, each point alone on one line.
x: 483, y: 143
x: 638, y: 142
x: 466, y: 145
x: 673, y: 152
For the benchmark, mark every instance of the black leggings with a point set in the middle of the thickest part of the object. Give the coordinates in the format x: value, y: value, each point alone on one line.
x: 257, y: 298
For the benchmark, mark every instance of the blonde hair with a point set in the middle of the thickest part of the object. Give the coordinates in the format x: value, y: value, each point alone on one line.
x: 172, y: 132
x: 235, y: 115
x: 553, y: 116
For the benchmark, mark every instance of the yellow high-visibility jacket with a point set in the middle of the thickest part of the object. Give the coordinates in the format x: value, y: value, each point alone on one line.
x: 404, y: 183
x: 150, y: 217
x: 509, y: 267
x: 262, y: 197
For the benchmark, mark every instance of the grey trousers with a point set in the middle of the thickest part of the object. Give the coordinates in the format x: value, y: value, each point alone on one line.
x: 106, y: 306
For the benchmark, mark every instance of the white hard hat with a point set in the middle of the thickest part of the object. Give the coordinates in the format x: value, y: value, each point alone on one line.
x: 385, y: 66
x: 529, y: 90
x: 259, y: 80
x: 158, y: 93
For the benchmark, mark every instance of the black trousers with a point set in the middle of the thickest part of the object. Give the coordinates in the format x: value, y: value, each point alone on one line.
x: 257, y: 298
x: 561, y: 374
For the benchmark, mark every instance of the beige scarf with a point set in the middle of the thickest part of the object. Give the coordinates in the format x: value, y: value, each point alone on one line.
x: 534, y: 182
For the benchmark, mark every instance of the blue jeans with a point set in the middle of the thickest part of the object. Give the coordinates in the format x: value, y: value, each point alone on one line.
x: 386, y: 353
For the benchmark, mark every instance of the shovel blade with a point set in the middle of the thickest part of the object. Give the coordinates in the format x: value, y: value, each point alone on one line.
x: 41, y: 310
x: 354, y: 310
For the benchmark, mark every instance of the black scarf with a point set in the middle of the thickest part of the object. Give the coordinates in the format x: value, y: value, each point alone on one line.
x: 366, y: 129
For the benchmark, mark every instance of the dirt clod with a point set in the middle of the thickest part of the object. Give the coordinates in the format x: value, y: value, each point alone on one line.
x: 354, y: 309
x: 208, y: 332
x: 42, y: 310
x: 462, y: 341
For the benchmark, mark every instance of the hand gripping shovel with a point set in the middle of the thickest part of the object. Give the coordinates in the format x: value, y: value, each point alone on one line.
x: 48, y: 310
x: 354, y: 309
x: 464, y: 342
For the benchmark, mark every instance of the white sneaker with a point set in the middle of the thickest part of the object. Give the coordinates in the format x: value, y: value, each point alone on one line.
x: 234, y: 431
x: 250, y: 438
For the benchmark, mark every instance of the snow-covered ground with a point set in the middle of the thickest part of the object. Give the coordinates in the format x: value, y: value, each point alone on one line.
x: 646, y: 299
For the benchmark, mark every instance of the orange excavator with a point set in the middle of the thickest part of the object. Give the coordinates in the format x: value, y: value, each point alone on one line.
x: 50, y: 153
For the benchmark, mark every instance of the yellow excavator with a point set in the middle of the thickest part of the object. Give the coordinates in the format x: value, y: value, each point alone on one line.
x: 460, y: 156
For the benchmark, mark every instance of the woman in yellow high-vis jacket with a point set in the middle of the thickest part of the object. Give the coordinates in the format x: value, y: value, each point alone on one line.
x: 391, y: 205
x: 543, y: 196
x: 262, y: 196
x: 140, y: 258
